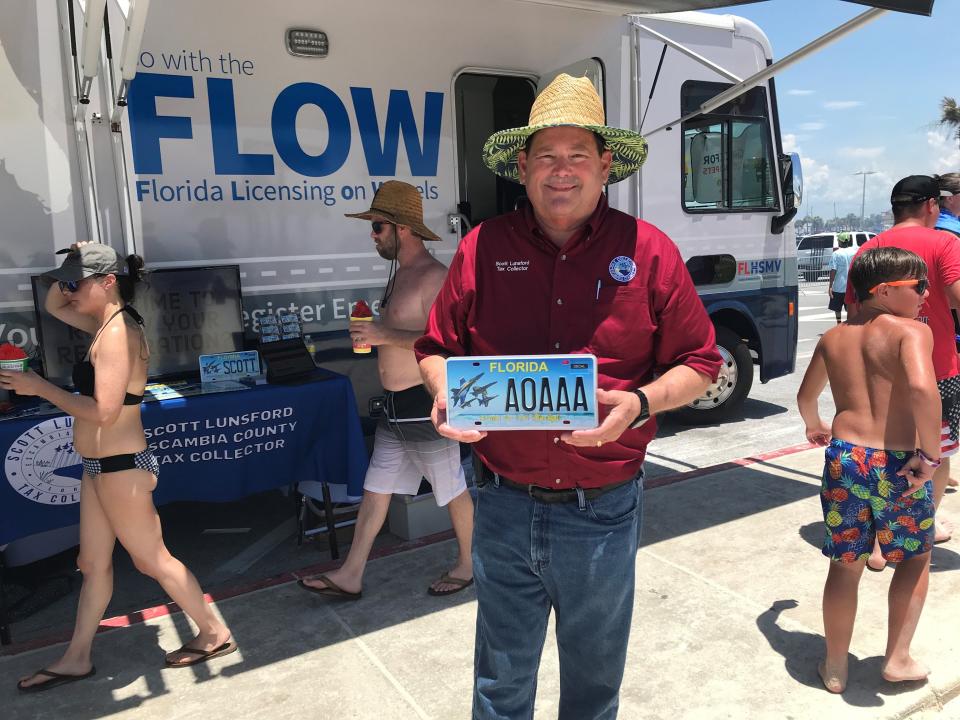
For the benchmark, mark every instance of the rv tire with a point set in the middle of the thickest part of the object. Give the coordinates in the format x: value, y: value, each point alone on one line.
x: 724, y: 398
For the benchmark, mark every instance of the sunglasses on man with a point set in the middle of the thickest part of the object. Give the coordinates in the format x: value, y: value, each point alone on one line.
x: 378, y: 226
x: 919, y: 285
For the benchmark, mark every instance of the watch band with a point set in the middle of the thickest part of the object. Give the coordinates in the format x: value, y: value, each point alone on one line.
x: 644, y: 409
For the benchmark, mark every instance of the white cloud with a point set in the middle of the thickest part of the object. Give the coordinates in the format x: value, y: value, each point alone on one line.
x: 869, y: 153
x: 812, y: 126
x: 945, y: 154
x: 800, y: 92
x: 825, y: 187
x: 842, y: 104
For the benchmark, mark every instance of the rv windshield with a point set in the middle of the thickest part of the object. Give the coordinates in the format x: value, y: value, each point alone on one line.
x: 727, y: 155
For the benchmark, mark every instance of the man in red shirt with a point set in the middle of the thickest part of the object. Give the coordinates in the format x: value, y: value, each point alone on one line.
x: 558, y: 514
x: 915, y: 202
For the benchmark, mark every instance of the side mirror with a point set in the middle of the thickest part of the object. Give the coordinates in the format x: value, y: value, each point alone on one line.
x: 791, y: 175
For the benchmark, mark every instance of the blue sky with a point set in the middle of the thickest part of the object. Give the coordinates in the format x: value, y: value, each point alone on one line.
x: 870, y: 101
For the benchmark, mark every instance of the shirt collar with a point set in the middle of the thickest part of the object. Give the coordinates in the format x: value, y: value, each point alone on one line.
x: 589, y: 228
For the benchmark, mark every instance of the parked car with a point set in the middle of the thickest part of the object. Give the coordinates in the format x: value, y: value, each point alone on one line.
x: 814, y: 251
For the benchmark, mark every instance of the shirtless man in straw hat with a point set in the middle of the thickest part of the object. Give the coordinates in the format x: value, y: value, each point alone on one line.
x: 407, y: 447
x: 558, y: 513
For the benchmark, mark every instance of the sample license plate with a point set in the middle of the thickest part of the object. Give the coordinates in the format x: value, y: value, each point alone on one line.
x: 523, y: 392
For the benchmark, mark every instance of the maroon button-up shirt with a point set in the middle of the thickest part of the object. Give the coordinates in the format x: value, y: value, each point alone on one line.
x: 511, y: 291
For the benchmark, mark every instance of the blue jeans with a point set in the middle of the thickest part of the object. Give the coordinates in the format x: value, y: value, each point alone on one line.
x: 577, y: 558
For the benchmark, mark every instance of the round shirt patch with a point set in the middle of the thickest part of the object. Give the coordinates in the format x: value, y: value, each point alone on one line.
x: 42, y: 465
x: 623, y: 269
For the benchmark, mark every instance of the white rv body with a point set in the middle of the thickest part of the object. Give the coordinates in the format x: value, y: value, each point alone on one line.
x: 234, y: 150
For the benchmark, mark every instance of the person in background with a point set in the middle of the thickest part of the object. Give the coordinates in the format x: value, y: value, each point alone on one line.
x: 407, y: 447
x: 949, y: 204
x: 91, y: 291
x: 882, y: 450
x: 949, y: 221
x: 915, y: 201
x: 839, y: 266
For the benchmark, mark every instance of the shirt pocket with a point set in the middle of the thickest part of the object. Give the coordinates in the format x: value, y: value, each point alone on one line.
x: 623, y: 324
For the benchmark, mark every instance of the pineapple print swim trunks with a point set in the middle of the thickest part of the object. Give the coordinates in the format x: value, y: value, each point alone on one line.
x: 861, y: 495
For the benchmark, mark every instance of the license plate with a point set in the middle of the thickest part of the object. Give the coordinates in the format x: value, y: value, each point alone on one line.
x: 522, y: 392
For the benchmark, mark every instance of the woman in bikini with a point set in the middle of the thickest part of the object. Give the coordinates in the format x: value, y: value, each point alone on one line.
x: 90, y: 291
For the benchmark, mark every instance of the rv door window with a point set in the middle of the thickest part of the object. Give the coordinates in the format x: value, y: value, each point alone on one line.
x: 727, y: 155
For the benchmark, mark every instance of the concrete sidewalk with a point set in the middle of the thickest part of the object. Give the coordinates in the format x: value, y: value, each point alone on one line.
x: 726, y: 624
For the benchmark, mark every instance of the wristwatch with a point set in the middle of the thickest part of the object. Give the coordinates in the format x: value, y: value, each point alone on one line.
x: 644, y: 410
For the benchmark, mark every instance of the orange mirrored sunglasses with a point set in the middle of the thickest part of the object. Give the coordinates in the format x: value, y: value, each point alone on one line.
x: 919, y: 285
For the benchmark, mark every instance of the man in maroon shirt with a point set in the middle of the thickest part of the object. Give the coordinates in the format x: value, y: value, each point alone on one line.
x: 915, y: 202
x: 558, y: 514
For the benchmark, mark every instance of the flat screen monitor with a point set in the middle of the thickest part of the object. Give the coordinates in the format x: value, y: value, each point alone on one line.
x: 187, y: 312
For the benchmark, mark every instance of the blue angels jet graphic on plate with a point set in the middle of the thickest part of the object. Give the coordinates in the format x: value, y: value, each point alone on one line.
x: 460, y: 393
x: 481, y: 395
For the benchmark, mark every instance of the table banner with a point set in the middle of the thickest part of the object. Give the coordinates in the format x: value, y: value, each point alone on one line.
x: 217, y: 447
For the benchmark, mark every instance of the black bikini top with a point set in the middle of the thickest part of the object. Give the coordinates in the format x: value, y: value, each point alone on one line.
x: 84, y: 375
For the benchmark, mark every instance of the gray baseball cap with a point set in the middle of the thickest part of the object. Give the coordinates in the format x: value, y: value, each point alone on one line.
x: 88, y: 260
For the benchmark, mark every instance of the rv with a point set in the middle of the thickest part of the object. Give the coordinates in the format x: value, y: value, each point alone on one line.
x: 239, y: 132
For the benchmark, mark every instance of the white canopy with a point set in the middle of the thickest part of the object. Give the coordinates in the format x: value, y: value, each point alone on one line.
x: 919, y: 7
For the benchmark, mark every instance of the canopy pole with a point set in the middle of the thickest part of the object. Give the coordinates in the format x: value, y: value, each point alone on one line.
x: 771, y: 70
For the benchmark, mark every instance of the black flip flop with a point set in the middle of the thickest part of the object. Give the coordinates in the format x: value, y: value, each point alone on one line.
x: 57, y: 680
x: 202, y: 655
x: 332, y: 590
x: 871, y: 568
x: 460, y: 584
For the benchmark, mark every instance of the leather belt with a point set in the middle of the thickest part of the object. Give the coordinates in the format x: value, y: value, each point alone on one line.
x: 549, y: 495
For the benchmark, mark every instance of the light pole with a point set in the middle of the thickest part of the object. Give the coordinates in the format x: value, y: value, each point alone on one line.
x: 863, y: 197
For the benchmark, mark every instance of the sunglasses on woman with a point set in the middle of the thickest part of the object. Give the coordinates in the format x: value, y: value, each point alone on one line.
x: 73, y: 285
x: 378, y: 226
x: 919, y: 285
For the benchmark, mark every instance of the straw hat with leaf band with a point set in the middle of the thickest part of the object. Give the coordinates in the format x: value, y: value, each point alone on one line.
x: 567, y: 101
x: 399, y: 203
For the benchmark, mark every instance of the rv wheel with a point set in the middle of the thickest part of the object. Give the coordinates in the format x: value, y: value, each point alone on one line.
x: 724, y: 397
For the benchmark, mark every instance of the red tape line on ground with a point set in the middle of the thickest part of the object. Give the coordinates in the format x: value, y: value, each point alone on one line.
x: 158, y: 611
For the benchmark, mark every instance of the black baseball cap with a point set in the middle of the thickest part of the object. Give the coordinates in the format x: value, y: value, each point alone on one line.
x: 916, y: 188
x: 87, y: 260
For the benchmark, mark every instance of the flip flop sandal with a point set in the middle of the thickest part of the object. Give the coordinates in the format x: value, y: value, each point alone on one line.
x: 202, y: 655
x: 332, y: 590
x: 871, y: 568
x: 445, y: 578
x: 57, y: 679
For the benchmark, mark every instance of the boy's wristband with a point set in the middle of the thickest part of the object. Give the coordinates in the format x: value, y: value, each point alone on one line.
x: 927, y: 460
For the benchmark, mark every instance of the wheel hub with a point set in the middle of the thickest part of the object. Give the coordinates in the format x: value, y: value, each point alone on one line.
x: 718, y: 393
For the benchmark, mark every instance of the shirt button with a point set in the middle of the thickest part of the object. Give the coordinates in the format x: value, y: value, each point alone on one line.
x: 557, y: 481
x: 563, y: 257
x: 559, y: 301
x: 556, y: 346
x: 556, y: 440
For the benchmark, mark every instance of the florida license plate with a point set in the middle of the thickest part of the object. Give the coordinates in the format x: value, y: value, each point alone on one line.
x: 522, y: 392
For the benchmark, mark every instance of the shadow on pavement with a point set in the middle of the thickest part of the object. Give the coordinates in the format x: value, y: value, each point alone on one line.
x: 669, y: 425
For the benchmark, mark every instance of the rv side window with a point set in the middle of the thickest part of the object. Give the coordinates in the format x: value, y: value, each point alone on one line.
x: 727, y: 156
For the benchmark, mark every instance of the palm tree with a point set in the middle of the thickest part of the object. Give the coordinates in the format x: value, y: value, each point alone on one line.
x: 950, y: 116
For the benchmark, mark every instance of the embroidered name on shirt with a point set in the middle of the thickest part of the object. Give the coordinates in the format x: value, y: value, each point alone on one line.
x: 513, y: 265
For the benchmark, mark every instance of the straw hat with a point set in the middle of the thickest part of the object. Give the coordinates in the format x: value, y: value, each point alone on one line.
x: 399, y: 203
x: 567, y: 101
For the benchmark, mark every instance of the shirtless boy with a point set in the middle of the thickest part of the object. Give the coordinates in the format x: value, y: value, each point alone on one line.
x: 881, y: 374
x: 406, y: 446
